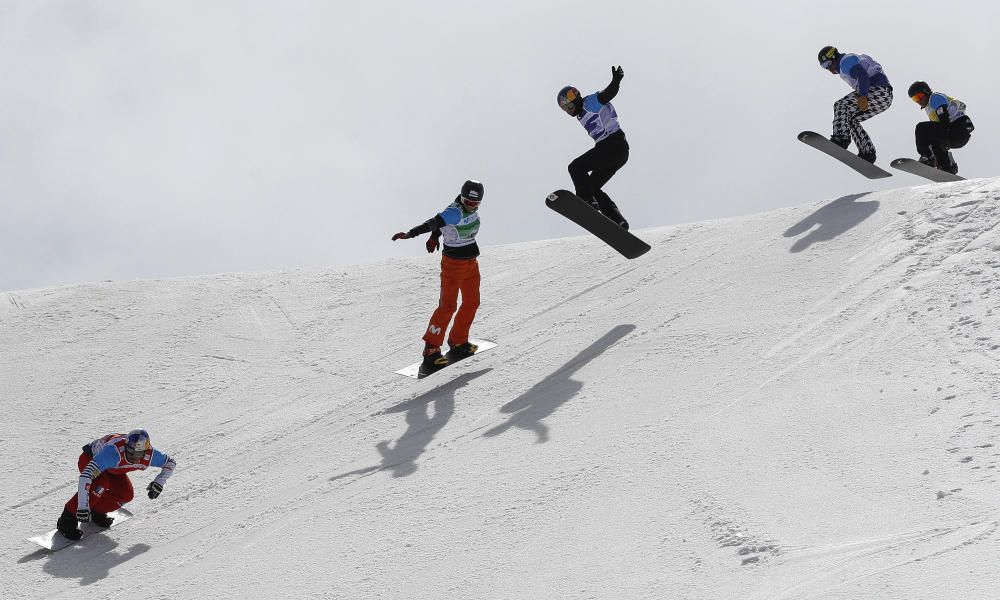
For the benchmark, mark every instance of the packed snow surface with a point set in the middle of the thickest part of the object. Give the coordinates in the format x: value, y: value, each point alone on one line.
x: 797, y: 404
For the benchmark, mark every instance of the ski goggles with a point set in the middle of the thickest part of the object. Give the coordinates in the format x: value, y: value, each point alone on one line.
x: 826, y: 64
x: 566, y: 102
x: 470, y: 203
x: 567, y: 107
x: 919, y: 97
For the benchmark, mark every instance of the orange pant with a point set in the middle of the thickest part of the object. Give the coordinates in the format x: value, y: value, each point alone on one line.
x: 457, y: 275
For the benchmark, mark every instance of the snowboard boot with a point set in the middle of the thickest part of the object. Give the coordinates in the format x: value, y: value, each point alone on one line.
x: 433, y: 362
x: 842, y: 143
x: 927, y: 160
x: 461, y: 351
x: 101, y: 519
x: 869, y: 156
x: 69, y: 526
x: 948, y: 164
x: 615, y: 215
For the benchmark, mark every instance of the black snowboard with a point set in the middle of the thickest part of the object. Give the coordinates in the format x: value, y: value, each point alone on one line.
x: 850, y: 159
x: 918, y: 168
x: 583, y: 214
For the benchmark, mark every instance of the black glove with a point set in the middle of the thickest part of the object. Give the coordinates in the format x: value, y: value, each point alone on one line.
x: 400, y: 236
x: 432, y: 243
x: 154, y: 489
x: 617, y: 73
x: 83, y: 515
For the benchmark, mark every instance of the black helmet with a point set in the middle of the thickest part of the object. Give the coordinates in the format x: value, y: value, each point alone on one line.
x: 472, y: 193
x: 918, y: 87
x: 568, y: 97
x: 827, y: 55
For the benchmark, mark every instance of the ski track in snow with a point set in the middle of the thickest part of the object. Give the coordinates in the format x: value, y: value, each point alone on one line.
x: 797, y: 404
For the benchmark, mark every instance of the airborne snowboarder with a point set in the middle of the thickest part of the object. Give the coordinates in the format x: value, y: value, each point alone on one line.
x: 458, y: 224
x: 592, y: 169
x: 949, y: 127
x: 872, y: 95
x: 104, y: 485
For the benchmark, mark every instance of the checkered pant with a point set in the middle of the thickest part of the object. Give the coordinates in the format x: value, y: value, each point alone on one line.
x: 847, y: 118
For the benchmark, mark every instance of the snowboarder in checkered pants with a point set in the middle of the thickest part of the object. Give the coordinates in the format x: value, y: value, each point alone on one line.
x: 872, y: 94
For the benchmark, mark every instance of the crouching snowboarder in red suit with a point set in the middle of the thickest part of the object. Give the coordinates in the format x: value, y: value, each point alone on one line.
x: 104, y: 485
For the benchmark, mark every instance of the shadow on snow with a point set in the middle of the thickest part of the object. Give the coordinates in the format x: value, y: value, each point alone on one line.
x: 89, y: 560
x: 400, y: 457
x: 546, y: 396
x: 833, y: 219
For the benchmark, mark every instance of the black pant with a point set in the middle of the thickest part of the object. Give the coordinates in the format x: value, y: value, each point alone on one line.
x: 592, y: 169
x: 936, y: 138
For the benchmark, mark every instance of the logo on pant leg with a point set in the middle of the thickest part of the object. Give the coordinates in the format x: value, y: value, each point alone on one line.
x: 434, y: 330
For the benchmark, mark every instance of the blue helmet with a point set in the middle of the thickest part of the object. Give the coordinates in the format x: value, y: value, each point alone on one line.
x: 136, y: 445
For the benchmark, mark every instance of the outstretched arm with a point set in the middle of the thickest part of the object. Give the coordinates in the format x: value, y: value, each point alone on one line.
x: 432, y: 224
x: 166, y: 465
x: 607, y: 94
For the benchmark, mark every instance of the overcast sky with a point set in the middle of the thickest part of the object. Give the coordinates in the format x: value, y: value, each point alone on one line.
x: 147, y: 139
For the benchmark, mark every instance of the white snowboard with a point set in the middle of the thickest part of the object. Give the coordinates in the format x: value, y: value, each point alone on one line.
x: 54, y: 540
x: 413, y: 370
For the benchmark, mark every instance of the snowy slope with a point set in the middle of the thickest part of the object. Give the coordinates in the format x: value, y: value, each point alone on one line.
x: 798, y: 404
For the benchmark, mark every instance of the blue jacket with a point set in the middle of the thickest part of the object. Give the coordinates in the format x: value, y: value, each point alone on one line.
x: 862, y: 73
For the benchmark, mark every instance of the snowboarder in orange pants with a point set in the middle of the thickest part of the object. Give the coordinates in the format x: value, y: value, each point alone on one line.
x: 457, y: 275
x: 459, y: 224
